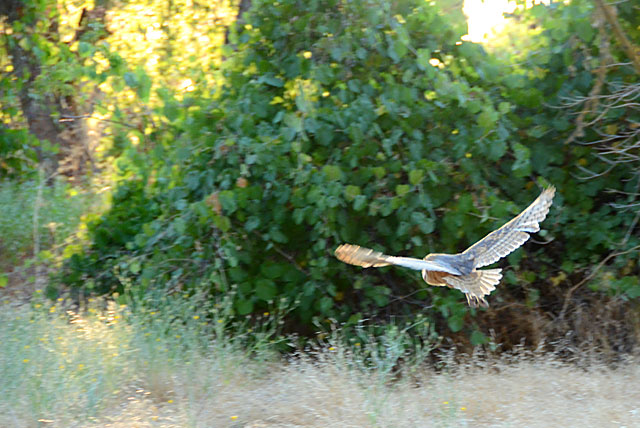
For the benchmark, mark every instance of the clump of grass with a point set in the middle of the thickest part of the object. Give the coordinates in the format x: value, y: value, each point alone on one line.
x: 63, y: 363
x: 56, y: 364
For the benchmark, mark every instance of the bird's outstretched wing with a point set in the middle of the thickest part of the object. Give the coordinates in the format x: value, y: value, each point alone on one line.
x: 512, y: 235
x: 365, y: 257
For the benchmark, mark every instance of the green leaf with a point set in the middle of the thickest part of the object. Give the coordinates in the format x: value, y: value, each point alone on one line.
x: 632, y: 292
x: 351, y: 191
x: 266, y: 289
x: 629, y: 285
x: 426, y: 224
x: 522, y: 165
x: 223, y: 223
x: 130, y: 79
x: 397, y: 50
x: 402, y: 189
x: 567, y: 266
x: 324, y: 134
x: 143, y: 88
x: 504, y: 107
x: 314, y: 195
x: 337, y: 53
x: 537, y: 131
x: 298, y: 215
x: 273, y: 270
x: 496, y: 149
x: 277, y: 235
x: 244, y: 307
x: 423, y: 57
x: 85, y: 49
x: 24, y: 43
x: 359, y: 203
x: 4, y: 280
x: 478, y: 338
x: 332, y: 172
x: 135, y: 267
x: 252, y: 223
x: 379, y: 172
x: 488, y: 118
x: 228, y: 201
x: 272, y: 81
x: 455, y: 323
x: 294, y: 122
x: 45, y: 255
x: 585, y: 30
x: 415, y: 176
x: 325, y: 305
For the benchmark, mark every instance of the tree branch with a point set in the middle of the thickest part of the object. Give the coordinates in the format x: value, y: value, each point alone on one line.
x: 610, y: 15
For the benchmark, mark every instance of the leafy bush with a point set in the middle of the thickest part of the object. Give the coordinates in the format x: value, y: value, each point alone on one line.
x: 112, y: 234
x: 365, y: 122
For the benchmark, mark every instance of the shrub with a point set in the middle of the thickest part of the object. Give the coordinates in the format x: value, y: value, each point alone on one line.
x: 365, y: 122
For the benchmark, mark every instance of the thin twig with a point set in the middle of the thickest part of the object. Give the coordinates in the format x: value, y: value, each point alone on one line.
x: 67, y: 118
x: 39, y: 281
x: 290, y: 258
x: 590, y: 276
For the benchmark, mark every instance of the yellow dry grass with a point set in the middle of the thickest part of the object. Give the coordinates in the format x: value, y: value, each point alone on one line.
x: 118, y: 369
x: 327, y: 392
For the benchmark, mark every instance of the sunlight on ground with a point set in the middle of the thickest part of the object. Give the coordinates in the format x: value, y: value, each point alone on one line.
x: 485, y: 18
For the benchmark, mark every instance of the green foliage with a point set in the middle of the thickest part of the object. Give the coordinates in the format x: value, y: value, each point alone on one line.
x: 112, y: 237
x: 565, y: 56
x: 17, y: 152
x: 59, y: 210
x: 363, y: 122
x: 44, y: 74
x: 314, y: 131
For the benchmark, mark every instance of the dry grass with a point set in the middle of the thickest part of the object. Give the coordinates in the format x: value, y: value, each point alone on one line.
x: 327, y: 394
x: 130, y: 371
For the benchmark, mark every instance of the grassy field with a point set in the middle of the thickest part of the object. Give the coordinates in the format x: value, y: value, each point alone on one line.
x: 108, y: 365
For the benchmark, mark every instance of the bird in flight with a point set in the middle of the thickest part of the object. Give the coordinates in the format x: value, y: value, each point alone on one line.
x: 461, y: 270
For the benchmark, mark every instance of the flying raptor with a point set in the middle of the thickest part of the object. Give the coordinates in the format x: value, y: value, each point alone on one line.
x: 461, y: 270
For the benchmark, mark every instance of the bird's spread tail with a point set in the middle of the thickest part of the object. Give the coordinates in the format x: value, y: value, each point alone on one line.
x: 476, y: 285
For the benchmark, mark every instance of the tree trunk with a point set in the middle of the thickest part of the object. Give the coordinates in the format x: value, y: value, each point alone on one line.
x: 36, y: 110
x: 244, y: 6
x: 39, y: 108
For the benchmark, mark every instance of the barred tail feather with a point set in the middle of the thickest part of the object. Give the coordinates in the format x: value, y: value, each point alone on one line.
x: 489, y: 278
x: 476, y: 285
